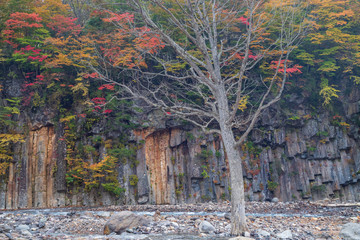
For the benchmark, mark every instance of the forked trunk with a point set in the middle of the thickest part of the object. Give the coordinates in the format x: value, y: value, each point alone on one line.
x: 238, y: 219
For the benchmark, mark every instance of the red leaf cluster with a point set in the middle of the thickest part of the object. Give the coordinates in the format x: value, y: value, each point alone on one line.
x: 21, y: 20
x: 107, y: 111
x: 289, y: 70
x: 120, y: 18
x: 91, y: 75
x: 107, y: 86
x: 61, y: 24
x: 243, y: 20
x: 98, y: 100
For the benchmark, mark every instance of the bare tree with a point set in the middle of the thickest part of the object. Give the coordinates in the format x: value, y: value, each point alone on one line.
x: 80, y: 9
x: 207, y: 71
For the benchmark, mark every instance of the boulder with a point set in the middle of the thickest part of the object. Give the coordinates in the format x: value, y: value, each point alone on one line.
x: 275, y: 200
x: 285, y: 235
x: 206, y: 227
x: 119, y: 222
x: 5, y: 228
x: 350, y: 231
x: 262, y: 233
x: 241, y: 238
x: 22, y: 227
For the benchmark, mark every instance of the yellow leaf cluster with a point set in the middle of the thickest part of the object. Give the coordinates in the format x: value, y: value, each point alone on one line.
x: 81, y: 87
x: 328, y: 92
x: 5, y: 153
x: 243, y: 103
x: 6, y: 139
x: 68, y: 118
x: 49, y: 8
x: 70, y: 51
x: 3, y: 167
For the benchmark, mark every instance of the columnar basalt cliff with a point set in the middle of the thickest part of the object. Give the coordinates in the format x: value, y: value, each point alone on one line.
x: 30, y: 181
x: 298, y: 156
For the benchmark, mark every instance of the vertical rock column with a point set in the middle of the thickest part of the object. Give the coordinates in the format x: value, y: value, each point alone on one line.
x: 158, y: 153
x: 39, y: 172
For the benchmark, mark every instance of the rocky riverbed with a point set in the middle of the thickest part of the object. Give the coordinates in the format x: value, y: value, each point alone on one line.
x: 266, y: 220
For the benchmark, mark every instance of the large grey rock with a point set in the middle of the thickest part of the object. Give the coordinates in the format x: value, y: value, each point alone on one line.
x: 263, y: 233
x: 5, y: 228
x: 143, y: 200
x: 350, y: 231
x: 275, y: 200
x: 119, y: 222
x: 22, y: 227
x: 241, y: 238
x: 285, y: 235
x: 206, y: 227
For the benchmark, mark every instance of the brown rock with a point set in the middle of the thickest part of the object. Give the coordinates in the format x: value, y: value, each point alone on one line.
x: 119, y: 222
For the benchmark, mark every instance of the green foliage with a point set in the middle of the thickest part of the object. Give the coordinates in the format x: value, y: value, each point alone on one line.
x: 322, y: 134
x: 330, y: 53
x: 113, y: 188
x: 311, y: 149
x: 133, y: 180
x: 205, y: 174
x: 190, y: 136
x: 294, y: 118
x: 124, y: 153
x: 204, y: 155
x: 318, y: 188
x: 252, y: 148
x: 205, y: 198
x: 272, y: 185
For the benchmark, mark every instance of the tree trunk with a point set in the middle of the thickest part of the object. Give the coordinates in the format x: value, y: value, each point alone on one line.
x: 238, y: 219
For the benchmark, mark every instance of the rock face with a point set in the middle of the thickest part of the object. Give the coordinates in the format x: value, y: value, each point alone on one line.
x: 33, y: 185
x: 288, y: 156
x: 119, y: 222
x: 181, y: 166
x: 350, y: 231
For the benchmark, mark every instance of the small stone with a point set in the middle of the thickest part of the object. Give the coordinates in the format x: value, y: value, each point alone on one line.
x: 228, y: 228
x: 174, y: 224
x: 227, y: 216
x: 9, y: 236
x: 26, y: 233
x: 41, y: 224
x: 275, y: 200
x: 103, y: 214
x: 285, y: 235
x: 206, y: 227
x: 129, y: 230
x: 246, y: 234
